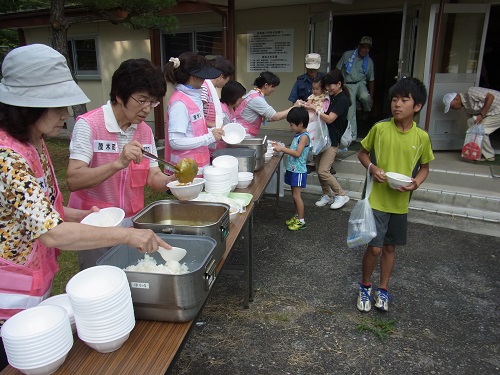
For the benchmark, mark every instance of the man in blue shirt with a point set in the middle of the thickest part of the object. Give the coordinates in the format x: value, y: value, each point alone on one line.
x: 303, y: 86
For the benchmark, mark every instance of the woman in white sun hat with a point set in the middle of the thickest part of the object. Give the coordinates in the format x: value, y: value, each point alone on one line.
x: 35, y: 92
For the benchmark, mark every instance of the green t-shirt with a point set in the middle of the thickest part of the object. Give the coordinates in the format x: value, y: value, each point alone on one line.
x: 395, y: 151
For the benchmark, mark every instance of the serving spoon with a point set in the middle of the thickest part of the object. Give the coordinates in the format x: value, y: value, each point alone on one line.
x: 185, y: 170
x: 176, y: 253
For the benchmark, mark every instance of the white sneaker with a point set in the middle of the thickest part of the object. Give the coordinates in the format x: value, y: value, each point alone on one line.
x: 339, y: 201
x: 324, y: 200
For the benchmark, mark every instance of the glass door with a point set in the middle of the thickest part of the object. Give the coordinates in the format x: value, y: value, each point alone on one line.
x: 409, y: 27
x: 320, y: 34
x: 460, y: 52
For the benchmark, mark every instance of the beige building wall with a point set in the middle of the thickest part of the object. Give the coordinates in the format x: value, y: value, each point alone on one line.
x: 290, y: 17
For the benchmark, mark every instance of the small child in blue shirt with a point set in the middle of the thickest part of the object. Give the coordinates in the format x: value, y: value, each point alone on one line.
x: 296, y: 170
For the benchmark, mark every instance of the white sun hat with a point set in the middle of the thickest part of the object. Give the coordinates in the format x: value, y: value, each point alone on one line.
x: 37, y: 76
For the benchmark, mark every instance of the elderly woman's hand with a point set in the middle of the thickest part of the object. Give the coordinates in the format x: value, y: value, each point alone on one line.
x: 132, y: 152
x: 217, y: 133
x: 145, y: 240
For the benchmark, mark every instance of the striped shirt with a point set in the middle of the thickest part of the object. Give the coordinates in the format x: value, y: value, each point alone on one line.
x: 473, y: 101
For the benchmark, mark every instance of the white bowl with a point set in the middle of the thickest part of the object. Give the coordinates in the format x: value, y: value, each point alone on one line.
x: 96, y: 283
x: 397, y: 180
x: 106, y: 217
x: 245, y: 176
x: 243, y: 184
x: 35, y: 322
x: 110, y: 346
x: 268, y: 156
x: 186, y: 192
x: 63, y: 301
x: 48, y: 368
x: 234, y: 133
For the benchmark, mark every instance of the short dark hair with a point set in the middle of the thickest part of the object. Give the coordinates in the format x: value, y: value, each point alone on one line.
x: 298, y: 115
x: 409, y: 86
x: 17, y: 121
x: 224, y: 65
x: 231, y: 92
x: 135, y: 75
x: 266, y: 77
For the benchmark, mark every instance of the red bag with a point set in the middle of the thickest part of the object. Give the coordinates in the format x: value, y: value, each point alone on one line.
x: 473, y: 142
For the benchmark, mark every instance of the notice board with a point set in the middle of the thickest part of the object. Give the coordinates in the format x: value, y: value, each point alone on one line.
x: 270, y: 50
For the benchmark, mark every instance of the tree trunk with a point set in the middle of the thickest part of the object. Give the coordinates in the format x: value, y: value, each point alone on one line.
x: 60, y: 28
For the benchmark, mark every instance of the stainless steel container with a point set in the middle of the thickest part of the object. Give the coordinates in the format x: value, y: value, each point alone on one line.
x: 171, y: 298
x: 246, y: 157
x: 186, y: 217
x: 259, y: 144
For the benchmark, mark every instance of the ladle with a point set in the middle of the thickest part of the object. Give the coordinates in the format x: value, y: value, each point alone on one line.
x: 185, y: 170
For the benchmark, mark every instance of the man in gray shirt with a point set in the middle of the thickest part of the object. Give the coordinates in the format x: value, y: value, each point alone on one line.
x: 357, y: 68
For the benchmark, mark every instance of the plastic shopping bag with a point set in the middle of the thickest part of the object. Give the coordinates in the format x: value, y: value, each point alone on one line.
x: 318, y: 132
x: 473, y: 141
x: 346, y: 139
x: 361, y: 227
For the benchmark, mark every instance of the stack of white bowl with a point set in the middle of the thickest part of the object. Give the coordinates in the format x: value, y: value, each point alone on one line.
x: 63, y: 301
x: 229, y: 162
x: 102, y: 305
x: 217, y: 180
x: 244, y: 179
x: 37, y: 340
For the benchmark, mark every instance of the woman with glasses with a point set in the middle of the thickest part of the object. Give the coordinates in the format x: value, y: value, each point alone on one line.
x: 186, y: 131
x: 106, y: 166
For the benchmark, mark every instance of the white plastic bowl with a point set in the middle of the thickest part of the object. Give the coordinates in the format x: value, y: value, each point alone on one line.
x: 96, y: 283
x: 106, y: 217
x: 245, y: 176
x: 243, y: 184
x: 397, y: 180
x: 48, y: 368
x: 234, y: 133
x: 110, y: 346
x: 186, y: 192
x: 63, y: 301
x: 268, y: 156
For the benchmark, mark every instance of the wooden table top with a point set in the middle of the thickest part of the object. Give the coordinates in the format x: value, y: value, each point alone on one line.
x: 153, y: 345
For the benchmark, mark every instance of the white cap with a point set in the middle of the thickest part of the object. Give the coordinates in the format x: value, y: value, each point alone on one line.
x: 447, y: 99
x: 313, y: 61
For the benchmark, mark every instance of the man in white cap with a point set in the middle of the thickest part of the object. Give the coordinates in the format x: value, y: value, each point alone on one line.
x: 483, y: 105
x: 303, y: 86
x: 357, y: 68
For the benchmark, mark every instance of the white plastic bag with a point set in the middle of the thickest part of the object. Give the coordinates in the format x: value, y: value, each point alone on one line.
x: 473, y: 142
x: 318, y: 132
x: 361, y: 227
x: 346, y: 139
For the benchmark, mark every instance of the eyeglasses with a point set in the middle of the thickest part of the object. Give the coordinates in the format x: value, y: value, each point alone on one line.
x: 145, y: 103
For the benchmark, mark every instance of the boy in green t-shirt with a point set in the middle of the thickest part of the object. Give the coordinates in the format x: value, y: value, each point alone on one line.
x: 393, y: 145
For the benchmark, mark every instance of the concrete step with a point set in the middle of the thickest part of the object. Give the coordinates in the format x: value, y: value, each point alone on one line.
x: 430, y: 197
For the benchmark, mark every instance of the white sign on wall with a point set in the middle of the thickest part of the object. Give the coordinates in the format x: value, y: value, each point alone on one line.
x: 270, y: 50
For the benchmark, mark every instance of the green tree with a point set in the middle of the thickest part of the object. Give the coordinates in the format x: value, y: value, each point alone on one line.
x: 138, y: 14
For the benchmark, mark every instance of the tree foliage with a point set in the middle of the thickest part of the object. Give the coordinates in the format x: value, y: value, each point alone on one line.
x: 137, y: 14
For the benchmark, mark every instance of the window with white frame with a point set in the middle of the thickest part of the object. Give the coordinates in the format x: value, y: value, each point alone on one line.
x: 204, y: 43
x: 82, y: 52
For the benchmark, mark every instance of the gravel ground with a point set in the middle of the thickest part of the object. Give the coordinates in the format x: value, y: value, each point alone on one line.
x: 445, y: 317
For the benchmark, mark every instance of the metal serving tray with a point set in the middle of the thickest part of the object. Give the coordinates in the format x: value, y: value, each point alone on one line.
x: 187, y: 217
x: 171, y: 298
